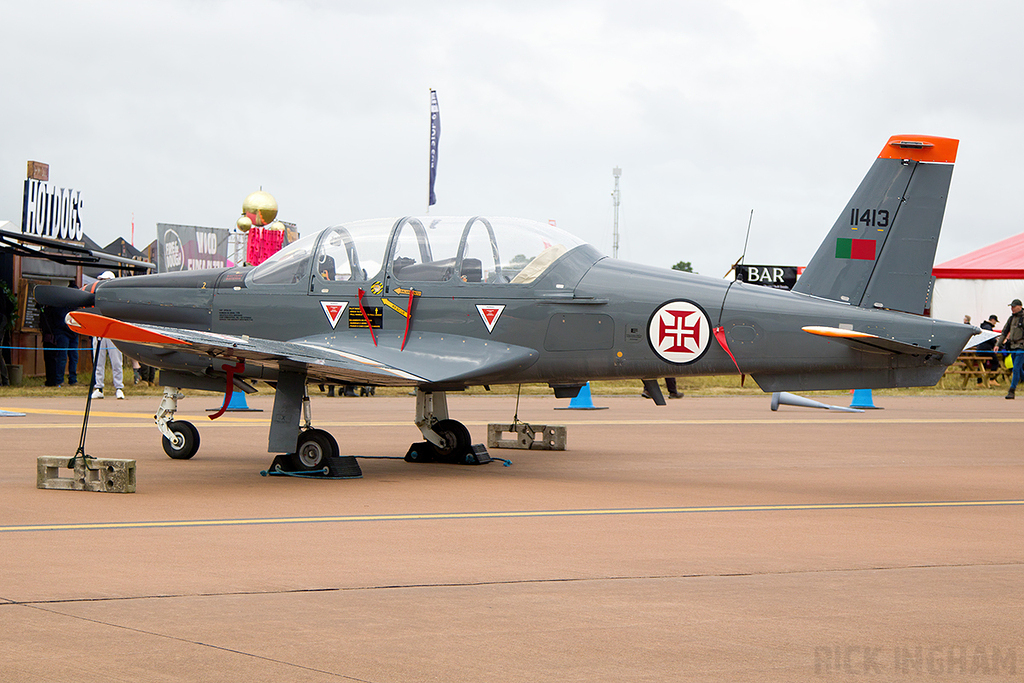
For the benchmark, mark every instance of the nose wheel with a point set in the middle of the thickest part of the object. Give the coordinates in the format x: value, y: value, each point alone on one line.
x: 181, y: 438
x: 184, y: 440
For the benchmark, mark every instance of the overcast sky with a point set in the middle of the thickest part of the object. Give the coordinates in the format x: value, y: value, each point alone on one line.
x: 173, y: 111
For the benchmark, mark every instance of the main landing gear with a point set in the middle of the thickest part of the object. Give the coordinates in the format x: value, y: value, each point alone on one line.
x: 447, y: 440
x: 313, y: 448
x: 316, y: 452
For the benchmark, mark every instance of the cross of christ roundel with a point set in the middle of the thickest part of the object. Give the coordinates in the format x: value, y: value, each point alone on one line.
x: 679, y: 331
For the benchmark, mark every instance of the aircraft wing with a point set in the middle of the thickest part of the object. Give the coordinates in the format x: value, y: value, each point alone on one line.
x: 433, y: 360
x: 864, y: 341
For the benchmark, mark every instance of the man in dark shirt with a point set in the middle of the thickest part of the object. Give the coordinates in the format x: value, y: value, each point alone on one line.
x: 1012, y: 339
x: 988, y: 347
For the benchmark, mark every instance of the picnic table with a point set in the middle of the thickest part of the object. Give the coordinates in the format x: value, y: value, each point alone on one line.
x: 974, y: 365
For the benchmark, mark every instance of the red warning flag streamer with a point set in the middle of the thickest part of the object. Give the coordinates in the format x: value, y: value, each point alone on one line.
x: 231, y: 370
x: 408, y: 313
x: 720, y: 336
x: 366, y: 317
x: 408, y: 320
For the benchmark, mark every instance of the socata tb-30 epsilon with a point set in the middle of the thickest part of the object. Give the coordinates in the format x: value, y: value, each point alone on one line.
x: 440, y: 304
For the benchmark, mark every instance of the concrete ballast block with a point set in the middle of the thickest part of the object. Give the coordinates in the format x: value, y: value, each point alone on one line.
x: 527, y: 436
x: 107, y: 475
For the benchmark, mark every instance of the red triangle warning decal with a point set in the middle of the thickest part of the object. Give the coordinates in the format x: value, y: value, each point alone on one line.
x: 490, y: 313
x: 334, y: 309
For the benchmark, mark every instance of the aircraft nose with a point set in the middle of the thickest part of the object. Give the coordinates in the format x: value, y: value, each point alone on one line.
x: 64, y: 297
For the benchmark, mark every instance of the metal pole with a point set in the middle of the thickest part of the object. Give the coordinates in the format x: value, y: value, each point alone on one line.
x: 615, y: 203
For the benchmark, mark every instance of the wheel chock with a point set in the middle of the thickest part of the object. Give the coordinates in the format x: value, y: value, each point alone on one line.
x: 477, y: 455
x: 527, y: 436
x: 422, y: 451
x: 106, y: 475
x: 335, y: 467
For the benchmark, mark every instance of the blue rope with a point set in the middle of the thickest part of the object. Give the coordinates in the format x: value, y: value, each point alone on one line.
x: 44, y: 348
x: 309, y: 474
x: 277, y: 471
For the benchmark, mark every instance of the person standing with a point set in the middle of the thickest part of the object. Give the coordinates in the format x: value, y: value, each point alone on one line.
x: 990, y: 324
x: 65, y: 345
x: 6, y: 323
x: 1012, y: 339
x: 48, y: 326
x: 102, y: 349
x: 988, y: 348
x: 670, y: 385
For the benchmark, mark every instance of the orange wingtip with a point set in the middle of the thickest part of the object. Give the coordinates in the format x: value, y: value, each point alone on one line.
x: 921, y: 148
x: 93, y: 325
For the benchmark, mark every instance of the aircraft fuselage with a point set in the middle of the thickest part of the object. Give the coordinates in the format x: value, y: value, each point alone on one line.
x: 589, y: 318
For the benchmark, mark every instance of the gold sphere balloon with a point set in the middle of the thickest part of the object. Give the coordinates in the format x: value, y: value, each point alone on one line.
x: 276, y: 225
x: 243, y: 223
x: 260, y: 207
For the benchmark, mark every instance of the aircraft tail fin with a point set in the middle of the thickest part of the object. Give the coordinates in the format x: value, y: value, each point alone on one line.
x: 880, y: 252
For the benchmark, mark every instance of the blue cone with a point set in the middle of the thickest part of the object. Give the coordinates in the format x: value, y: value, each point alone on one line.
x: 237, y: 401
x: 862, y: 399
x: 583, y: 401
x: 237, y: 404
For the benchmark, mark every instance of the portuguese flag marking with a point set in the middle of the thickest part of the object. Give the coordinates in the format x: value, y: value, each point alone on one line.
x: 855, y: 249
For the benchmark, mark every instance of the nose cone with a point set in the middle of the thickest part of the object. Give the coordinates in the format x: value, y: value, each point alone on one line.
x: 64, y: 297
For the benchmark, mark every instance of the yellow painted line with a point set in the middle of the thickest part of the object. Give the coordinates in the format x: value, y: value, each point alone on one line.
x: 141, y: 416
x: 53, y: 411
x: 228, y: 419
x: 823, y: 420
x: 78, y: 427
x: 512, y: 514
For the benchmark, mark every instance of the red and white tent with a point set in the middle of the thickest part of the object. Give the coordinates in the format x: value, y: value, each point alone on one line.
x: 980, y: 283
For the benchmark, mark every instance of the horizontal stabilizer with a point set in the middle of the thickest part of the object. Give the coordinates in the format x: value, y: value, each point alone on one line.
x: 982, y: 337
x: 869, y: 342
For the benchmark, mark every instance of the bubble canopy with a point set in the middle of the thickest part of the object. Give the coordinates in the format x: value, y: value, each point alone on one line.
x: 475, y: 249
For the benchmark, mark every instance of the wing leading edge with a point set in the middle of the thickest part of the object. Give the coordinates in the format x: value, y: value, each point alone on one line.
x: 445, y: 360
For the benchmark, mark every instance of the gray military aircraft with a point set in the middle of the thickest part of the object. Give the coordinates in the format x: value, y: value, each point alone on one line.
x: 440, y: 304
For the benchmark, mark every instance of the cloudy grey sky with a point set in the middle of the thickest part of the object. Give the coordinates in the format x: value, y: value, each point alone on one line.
x: 174, y: 110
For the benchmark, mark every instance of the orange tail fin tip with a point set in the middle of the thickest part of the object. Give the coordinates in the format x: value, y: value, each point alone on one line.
x: 921, y: 148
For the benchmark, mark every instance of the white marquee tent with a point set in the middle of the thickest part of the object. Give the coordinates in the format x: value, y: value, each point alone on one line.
x: 980, y: 283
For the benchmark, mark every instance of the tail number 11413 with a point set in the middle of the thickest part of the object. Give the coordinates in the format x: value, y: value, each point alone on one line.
x: 869, y: 218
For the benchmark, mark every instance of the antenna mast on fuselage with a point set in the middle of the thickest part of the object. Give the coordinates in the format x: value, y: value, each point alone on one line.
x: 615, y: 203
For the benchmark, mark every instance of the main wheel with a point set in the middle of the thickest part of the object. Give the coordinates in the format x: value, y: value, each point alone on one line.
x: 186, y: 440
x: 313, y: 448
x: 456, y: 440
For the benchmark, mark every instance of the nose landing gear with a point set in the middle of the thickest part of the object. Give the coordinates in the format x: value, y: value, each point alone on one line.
x: 181, y: 438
